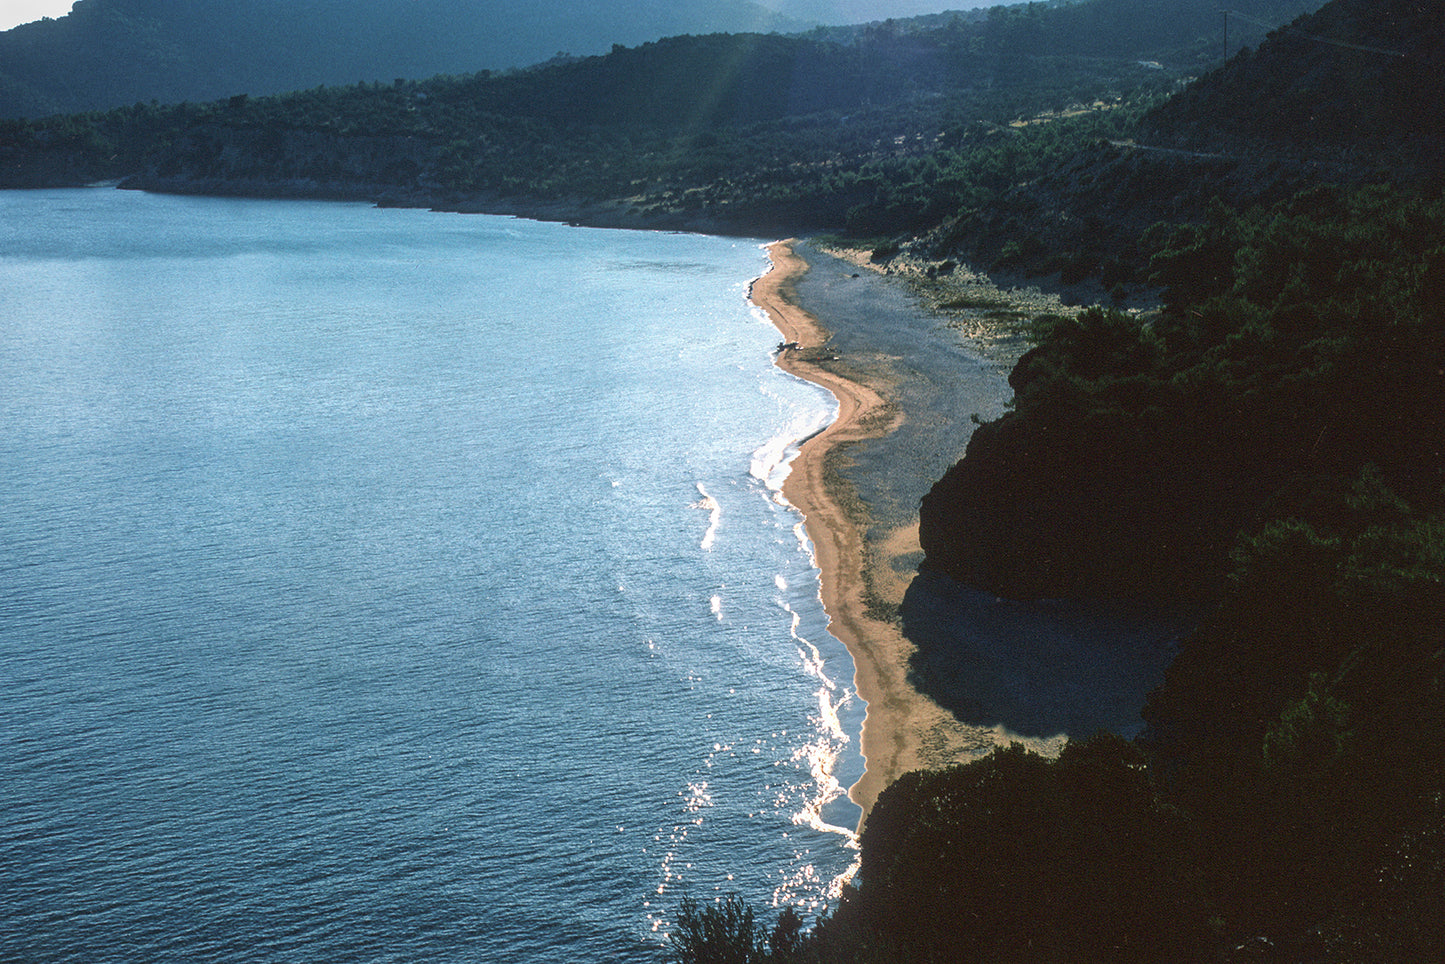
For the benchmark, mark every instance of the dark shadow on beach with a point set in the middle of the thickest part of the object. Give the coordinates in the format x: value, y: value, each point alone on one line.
x: 1038, y: 668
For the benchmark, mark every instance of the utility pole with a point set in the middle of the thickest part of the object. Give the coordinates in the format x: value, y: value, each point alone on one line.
x: 1225, y: 15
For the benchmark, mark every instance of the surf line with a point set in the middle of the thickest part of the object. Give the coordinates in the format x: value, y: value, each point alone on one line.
x: 888, y: 744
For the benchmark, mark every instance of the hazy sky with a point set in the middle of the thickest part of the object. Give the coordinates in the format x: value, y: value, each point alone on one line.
x: 14, y: 12
x: 860, y: 11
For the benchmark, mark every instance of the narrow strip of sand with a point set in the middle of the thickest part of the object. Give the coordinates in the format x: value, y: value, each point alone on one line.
x: 902, y: 730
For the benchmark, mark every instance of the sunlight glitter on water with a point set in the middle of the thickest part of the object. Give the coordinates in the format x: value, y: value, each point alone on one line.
x: 320, y: 607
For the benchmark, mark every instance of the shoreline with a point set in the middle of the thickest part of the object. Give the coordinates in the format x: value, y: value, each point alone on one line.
x: 903, y: 730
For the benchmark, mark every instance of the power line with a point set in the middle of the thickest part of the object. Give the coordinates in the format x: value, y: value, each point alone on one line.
x: 1309, y: 36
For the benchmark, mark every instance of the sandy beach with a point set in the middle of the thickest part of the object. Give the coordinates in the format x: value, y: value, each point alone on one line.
x: 903, y: 729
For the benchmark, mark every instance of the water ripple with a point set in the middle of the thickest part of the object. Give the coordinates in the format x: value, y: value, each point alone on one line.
x: 355, y: 603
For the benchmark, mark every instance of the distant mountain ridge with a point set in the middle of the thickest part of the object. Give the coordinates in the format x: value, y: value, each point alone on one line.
x: 876, y: 129
x: 117, y: 53
x: 111, y: 53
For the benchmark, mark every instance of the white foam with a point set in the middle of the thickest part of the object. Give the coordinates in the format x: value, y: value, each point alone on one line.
x: 714, y: 511
x: 773, y: 460
x: 821, y: 756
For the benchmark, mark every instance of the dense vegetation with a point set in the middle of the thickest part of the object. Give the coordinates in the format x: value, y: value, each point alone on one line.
x: 1360, y: 72
x: 891, y: 128
x: 696, y: 128
x: 1298, y: 343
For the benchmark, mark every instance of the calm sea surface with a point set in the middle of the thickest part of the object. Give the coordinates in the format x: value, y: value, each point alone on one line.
x: 397, y: 586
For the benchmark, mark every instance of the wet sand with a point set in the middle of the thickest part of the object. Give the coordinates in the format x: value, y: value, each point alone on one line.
x: 865, y: 538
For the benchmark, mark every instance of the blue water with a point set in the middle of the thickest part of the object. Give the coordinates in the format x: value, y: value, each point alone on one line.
x: 386, y: 585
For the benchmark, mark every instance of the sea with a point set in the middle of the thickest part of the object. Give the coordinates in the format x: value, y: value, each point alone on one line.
x: 399, y: 586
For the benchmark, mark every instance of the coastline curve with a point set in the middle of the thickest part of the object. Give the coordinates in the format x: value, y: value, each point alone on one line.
x: 903, y: 730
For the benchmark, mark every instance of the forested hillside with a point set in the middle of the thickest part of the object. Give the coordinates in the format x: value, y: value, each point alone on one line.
x: 109, y: 53
x: 1145, y: 450
x: 888, y: 128
x: 1269, y: 442
x: 1356, y: 72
